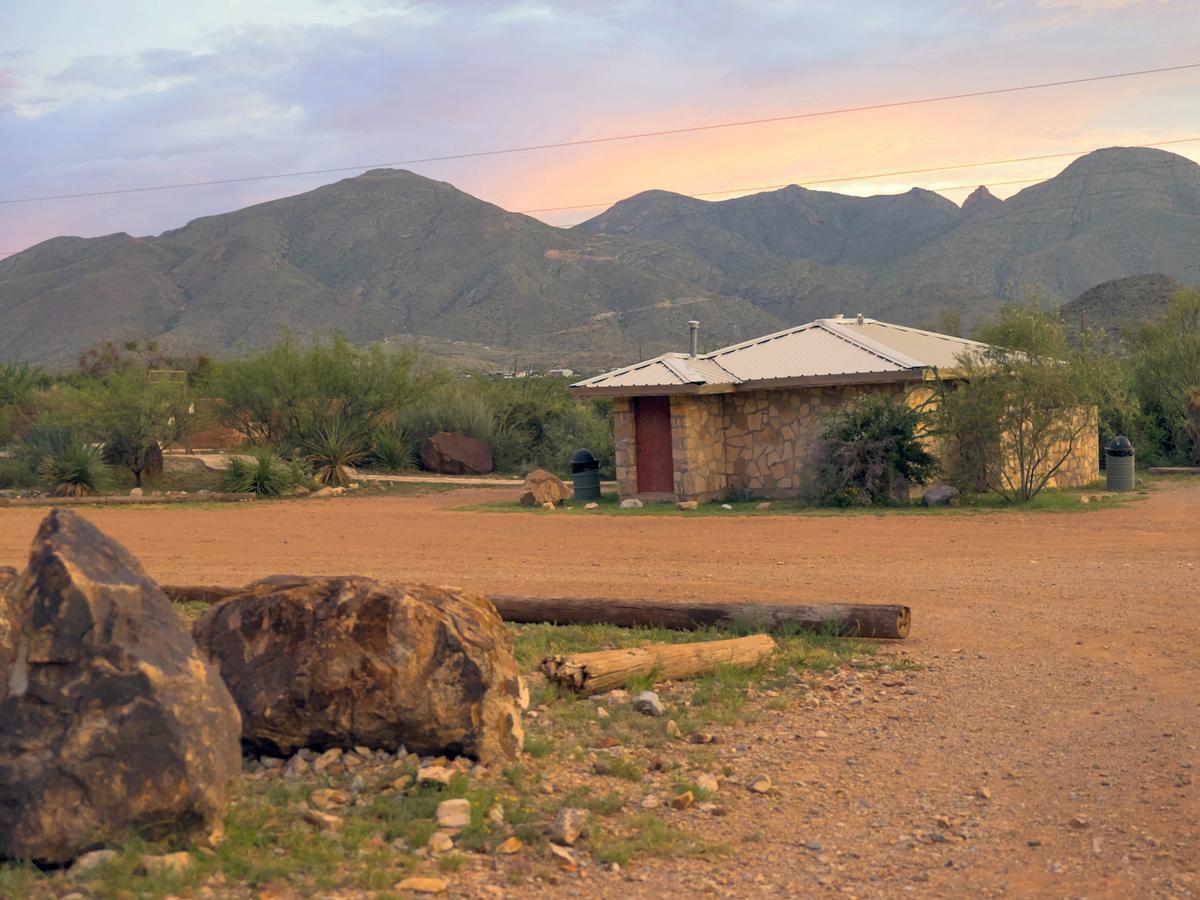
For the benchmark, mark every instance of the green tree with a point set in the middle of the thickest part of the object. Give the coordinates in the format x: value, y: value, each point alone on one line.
x: 1018, y: 409
x: 1165, y: 365
x: 874, y: 451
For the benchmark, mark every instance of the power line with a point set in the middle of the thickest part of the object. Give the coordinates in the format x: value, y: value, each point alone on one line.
x: 477, y: 154
x: 843, y: 178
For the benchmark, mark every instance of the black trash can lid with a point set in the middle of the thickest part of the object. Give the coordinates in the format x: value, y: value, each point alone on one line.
x: 1119, y: 446
x: 583, y: 457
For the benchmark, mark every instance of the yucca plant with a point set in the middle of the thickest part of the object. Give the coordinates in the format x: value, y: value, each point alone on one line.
x: 266, y: 475
x: 74, y: 471
x: 393, y: 449
x: 333, y: 449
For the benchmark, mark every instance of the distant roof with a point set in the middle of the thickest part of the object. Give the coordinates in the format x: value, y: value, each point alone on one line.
x: 826, y: 351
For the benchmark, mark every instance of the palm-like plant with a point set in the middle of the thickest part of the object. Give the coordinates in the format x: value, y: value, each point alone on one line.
x: 333, y: 449
x: 75, y: 471
x: 266, y: 476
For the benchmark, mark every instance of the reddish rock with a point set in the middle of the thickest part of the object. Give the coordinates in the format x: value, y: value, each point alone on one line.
x: 542, y: 487
x: 111, y: 722
x: 451, y: 453
x: 346, y: 661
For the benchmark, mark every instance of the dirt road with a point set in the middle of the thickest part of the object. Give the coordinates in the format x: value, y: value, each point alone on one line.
x: 1064, y: 674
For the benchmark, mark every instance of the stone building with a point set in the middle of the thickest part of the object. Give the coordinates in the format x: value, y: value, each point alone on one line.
x: 746, y: 419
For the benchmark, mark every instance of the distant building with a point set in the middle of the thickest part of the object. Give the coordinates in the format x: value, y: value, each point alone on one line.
x: 748, y: 417
x: 559, y: 373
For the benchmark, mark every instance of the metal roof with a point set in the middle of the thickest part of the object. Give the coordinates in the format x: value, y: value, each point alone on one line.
x: 826, y: 351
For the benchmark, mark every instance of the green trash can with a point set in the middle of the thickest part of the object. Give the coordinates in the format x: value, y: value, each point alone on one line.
x: 585, y: 475
x: 1118, y: 464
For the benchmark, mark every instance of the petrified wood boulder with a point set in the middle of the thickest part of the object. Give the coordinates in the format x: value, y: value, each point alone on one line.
x: 111, y: 721
x: 338, y: 662
x: 451, y: 453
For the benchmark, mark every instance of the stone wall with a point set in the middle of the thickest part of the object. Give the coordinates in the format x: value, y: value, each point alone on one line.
x: 772, y: 438
x: 624, y: 446
x: 767, y: 443
x: 698, y: 446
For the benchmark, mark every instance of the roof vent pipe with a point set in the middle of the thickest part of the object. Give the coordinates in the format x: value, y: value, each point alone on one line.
x: 694, y: 328
x: 859, y: 321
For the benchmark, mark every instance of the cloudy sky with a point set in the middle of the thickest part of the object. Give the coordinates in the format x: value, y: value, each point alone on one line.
x: 129, y: 93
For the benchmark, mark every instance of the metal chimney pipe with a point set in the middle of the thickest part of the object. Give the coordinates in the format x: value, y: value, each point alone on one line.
x: 694, y: 327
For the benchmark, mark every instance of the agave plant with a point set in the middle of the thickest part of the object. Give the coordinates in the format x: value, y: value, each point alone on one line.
x: 333, y: 450
x: 266, y: 476
x: 74, y: 471
x: 393, y: 449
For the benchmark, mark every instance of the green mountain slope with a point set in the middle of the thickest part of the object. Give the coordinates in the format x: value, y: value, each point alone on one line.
x: 390, y: 255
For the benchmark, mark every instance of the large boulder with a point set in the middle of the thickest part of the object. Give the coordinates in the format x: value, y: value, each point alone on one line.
x: 341, y: 662
x: 941, y: 495
x: 451, y: 453
x: 8, y: 576
x: 111, y: 722
x: 542, y: 487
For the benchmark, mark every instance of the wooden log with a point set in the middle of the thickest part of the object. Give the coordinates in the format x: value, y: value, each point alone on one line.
x: 603, y: 670
x: 865, y: 620
x: 1174, y: 470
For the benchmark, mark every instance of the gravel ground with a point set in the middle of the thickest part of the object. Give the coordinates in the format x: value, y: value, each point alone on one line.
x: 1049, y: 748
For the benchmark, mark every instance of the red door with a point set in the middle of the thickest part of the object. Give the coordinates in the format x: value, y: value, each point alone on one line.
x: 652, y: 430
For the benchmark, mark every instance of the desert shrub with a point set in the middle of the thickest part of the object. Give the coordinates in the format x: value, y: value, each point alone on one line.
x: 392, y: 449
x: 458, y: 405
x: 873, y: 451
x: 15, y: 473
x: 265, y: 475
x: 19, y: 387
x: 75, y: 471
x: 334, y: 447
x: 282, y: 395
x: 1165, y: 375
x: 1017, y: 411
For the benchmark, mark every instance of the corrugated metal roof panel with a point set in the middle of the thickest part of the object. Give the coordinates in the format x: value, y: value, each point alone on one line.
x: 927, y: 347
x: 826, y: 348
x: 805, y: 352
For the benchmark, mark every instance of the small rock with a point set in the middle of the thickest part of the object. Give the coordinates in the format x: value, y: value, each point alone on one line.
x: 328, y: 798
x: 496, y: 815
x: 549, y: 504
x: 682, y: 801
x: 402, y: 783
x: 673, y: 729
x: 296, y: 767
x: 764, y: 506
x: 565, y: 854
x: 651, y: 802
x: 760, y: 784
x: 175, y: 864
x: 322, y: 820
x: 592, y: 505
x: 984, y: 793
x: 726, y: 506
x: 687, y: 504
x: 91, y: 861
x: 326, y: 759
x: 419, y: 885
x: 602, y: 713
x: 510, y: 846
x: 702, y: 737
x: 454, y: 813
x: 941, y: 495
x: 631, y: 503
x: 648, y: 704
x: 434, y: 775
x: 136, y: 492
x: 1097, y: 846
x: 707, y: 783
x: 440, y: 842
x: 568, y: 825
x: 270, y: 762
x: 820, y: 734
x: 1079, y: 822
x: 814, y: 846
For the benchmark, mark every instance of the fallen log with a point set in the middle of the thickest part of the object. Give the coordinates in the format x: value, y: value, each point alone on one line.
x: 865, y: 620
x: 603, y: 670
x: 1174, y: 470
x: 842, y: 619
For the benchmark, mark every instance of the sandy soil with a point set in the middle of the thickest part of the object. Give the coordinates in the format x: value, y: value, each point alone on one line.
x: 1064, y: 674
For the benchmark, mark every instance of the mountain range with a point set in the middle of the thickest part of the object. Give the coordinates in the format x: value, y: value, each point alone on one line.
x: 390, y: 256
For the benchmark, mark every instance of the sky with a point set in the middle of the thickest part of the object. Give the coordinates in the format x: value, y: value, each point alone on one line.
x: 132, y: 93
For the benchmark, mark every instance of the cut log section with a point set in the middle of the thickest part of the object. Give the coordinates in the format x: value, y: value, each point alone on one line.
x: 603, y: 670
x: 865, y: 620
